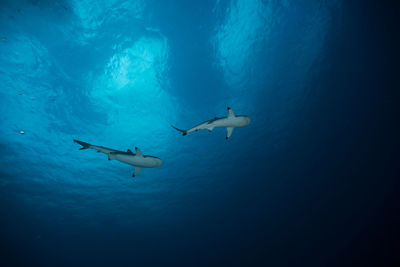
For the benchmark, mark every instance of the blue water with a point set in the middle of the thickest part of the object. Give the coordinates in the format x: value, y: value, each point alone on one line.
x: 310, y: 182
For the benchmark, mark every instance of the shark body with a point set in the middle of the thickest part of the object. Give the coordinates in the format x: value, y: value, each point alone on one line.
x: 230, y: 123
x: 137, y: 160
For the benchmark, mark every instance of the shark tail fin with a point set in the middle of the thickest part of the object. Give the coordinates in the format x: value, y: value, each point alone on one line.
x: 184, y: 132
x: 83, y: 144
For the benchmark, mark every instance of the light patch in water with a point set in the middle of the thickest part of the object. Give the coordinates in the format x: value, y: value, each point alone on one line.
x: 247, y: 24
x: 132, y: 92
x: 136, y: 66
x: 94, y: 14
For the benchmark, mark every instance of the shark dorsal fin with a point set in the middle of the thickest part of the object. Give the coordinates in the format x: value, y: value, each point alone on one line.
x: 231, y: 114
x: 138, y: 152
x: 129, y: 151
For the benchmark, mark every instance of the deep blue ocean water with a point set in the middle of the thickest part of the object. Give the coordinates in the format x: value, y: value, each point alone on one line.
x: 312, y: 181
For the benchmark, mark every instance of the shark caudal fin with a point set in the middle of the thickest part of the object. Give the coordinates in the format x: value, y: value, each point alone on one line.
x: 184, y: 132
x: 83, y: 144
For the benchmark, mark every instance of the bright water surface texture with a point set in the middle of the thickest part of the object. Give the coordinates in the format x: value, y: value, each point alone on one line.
x: 305, y: 183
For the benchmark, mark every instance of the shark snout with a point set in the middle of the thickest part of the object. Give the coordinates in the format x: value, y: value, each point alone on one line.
x: 248, y: 120
x: 158, y: 162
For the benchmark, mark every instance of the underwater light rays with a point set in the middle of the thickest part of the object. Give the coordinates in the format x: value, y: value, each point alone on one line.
x: 237, y: 38
x: 132, y: 92
x: 94, y: 14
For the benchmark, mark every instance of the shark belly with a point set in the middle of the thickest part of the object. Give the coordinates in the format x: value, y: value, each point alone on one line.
x: 144, y: 162
x: 237, y: 122
x: 230, y: 122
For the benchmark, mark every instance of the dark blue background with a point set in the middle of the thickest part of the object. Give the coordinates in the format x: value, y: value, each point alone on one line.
x: 312, y: 181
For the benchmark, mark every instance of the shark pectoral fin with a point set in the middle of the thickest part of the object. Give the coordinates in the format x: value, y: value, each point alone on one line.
x: 229, y: 131
x: 137, y: 170
x: 231, y: 114
x: 111, y: 155
x: 210, y: 129
x: 138, y: 152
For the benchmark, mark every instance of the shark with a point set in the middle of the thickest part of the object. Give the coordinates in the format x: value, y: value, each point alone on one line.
x: 230, y: 123
x: 137, y: 160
